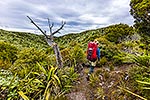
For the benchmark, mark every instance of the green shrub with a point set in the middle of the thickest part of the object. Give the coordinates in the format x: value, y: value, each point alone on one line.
x: 119, y: 58
x: 111, y: 67
x: 53, y: 83
x: 65, y: 53
x: 128, y: 44
x: 103, y: 61
x: 142, y: 46
x: 108, y: 49
x: 68, y: 78
x: 47, y: 84
x: 8, y: 54
x: 143, y: 60
x: 23, y: 40
x: 8, y: 82
x: 78, y: 54
x: 139, y: 73
x: 74, y: 55
x: 118, y: 32
x: 27, y: 61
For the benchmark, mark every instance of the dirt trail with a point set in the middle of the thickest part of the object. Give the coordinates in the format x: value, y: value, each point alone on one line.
x: 79, y: 91
x: 109, y: 80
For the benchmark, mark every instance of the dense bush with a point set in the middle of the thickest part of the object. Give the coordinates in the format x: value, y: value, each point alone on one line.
x: 27, y: 61
x: 74, y: 55
x: 47, y: 84
x: 118, y: 32
x: 8, y: 54
x: 23, y: 40
x: 8, y: 82
x: 139, y: 73
x: 146, y: 41
x: 103, y: 61
x: 143, y: 60
x: 119, y: 58
x: 78, y: 54
x: 108, y: 49
x: 50, y: 84
x: 139, y: 9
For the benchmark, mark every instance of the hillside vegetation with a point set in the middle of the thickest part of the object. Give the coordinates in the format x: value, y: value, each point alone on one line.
x: 29, y: 71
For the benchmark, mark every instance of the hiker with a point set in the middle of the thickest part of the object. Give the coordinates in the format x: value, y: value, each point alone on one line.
x: 93, y: 55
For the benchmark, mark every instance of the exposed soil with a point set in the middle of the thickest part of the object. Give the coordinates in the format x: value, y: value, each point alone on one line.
x: 108, y: 81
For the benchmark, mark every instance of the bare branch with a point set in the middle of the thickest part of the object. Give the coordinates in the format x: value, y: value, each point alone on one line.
x: 49, y: 39
x: 59, y: 32
x: 50, y: 26
x: 63, y: 23
x: 38, y: 27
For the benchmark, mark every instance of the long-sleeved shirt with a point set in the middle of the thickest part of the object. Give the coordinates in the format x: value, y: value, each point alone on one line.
x: 98, y: 53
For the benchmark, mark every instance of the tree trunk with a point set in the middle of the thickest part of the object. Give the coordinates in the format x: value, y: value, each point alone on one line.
x: 58, y: 56
x: 57, y: 52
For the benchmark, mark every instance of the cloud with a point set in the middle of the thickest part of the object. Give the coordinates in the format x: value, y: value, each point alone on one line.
x: 80, y: 15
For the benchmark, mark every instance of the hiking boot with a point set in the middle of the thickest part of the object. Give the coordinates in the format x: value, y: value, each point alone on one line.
x: 88, y: 77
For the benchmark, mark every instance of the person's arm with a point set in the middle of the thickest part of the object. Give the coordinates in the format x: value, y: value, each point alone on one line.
x: 98, y: 53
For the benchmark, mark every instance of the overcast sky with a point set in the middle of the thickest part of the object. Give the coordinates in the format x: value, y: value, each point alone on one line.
x: 80, y: 15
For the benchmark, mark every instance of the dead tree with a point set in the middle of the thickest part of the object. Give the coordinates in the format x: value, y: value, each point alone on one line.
x: 50, y: 41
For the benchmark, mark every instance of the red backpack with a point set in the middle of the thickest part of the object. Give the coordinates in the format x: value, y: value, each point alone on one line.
x: 91, y: 51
